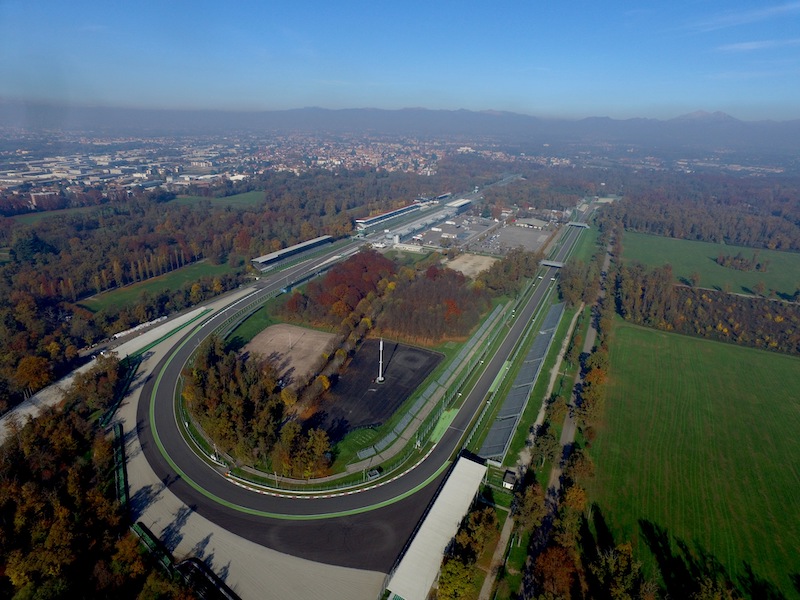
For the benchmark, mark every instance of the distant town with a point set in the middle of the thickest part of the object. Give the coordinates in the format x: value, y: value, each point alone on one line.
x: 42, y: 170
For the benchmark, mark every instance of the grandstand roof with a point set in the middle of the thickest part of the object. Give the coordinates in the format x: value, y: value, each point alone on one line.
x: 273, y: 256
x: 458, y: 203
x: 419, y: 567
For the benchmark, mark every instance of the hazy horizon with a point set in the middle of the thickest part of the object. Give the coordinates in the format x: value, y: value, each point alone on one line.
x: 698, y: 112
x: 618, y: 59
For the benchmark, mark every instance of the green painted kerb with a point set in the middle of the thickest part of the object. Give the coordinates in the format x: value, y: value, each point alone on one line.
x: 444, y: 422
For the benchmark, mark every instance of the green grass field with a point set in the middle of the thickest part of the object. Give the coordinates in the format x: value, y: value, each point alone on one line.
x: 244, y: 200
x: 171, y: 281
x: 35, y: 217
x: 701, y: 440
x: 253, y: 325
x: 686, y: 257
x: 586, y: 245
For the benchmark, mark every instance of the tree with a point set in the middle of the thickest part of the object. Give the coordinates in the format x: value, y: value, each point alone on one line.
x: 617, y: 573
x: 574, y: 350
x: 558, y: 408
x: 545, y: 445
x: 568, y: 528
x: 33, y: 372
x: 575, y: 498
x: 711, y: 589
x: 529, y: 508
x: 694, y: 279
x: 554, y: 570
x: 455, y: 580
x: 318, y: 446
x: 472, y: 537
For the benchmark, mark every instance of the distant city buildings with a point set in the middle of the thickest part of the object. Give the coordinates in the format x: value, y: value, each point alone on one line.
x: 41, y: 168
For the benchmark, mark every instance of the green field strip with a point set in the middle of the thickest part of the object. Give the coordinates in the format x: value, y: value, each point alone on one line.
x: 699, y: 439
x: 130, y: 293
x: 688, y: 256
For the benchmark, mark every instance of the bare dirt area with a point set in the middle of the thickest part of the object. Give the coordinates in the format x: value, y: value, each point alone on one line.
x: 471, y: 264
x: 294, y: 350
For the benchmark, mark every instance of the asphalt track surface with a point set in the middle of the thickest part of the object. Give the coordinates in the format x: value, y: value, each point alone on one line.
x: 364, y: 530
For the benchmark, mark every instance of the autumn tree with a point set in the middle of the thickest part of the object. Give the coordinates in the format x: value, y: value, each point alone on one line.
x: 455, y: 580
x: 555, y: 571
x: 530, y: 507
x: 33, y: 373
x: 479, y: 526
x: 62, y: 533
x: 616, y: 572
x: 545, y: 444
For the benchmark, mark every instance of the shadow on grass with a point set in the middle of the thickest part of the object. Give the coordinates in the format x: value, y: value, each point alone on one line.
x: 684, y: 568
x: 795, y: 577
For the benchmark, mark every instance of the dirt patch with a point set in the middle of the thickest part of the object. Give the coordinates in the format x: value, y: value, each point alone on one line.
x: 471, y: 264
x: 296, y: 351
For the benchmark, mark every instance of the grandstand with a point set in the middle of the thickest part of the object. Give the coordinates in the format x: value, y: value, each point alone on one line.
x: 363, y: 224
x: 460, y: 205
x: 268, y: 261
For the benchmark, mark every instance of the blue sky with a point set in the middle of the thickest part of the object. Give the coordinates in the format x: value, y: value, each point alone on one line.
x: 541, y: 57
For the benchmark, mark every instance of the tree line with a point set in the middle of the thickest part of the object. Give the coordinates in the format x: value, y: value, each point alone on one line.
x: 740, y: 263
x: 62, y: 532
x: 758, y: 213
x: 650, y: 297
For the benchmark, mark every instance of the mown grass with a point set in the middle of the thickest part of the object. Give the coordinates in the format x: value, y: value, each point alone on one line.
x: 254, y: 324
x: 586, y: 245
x: 35, y: 217
x: 701, y: 440
x: 687, y: 257
x: 509, y: 578
x: 130, y: 294
x: 243, y: 200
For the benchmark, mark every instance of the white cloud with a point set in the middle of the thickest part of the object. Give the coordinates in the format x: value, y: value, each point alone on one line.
x: 758, y: 45
x: 745, y: 17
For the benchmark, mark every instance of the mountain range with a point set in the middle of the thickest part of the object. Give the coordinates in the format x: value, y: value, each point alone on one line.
x: 700, y: 129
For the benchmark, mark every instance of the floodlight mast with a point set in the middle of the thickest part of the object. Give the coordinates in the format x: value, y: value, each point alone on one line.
x: 380, y: 365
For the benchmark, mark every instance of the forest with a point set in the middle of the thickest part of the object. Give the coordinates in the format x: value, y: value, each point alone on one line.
x: 758, y: 213
x: 56, y: 263
x: 62, y: 532
x: 423, y: 303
